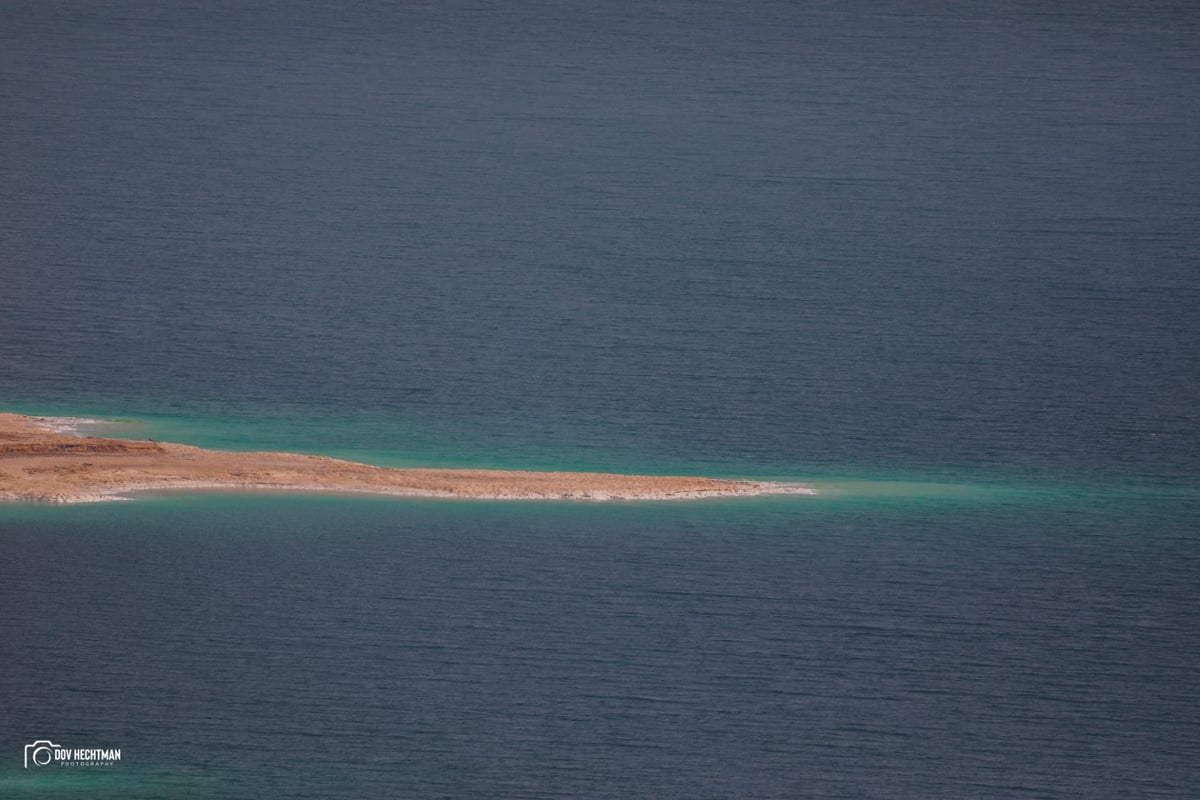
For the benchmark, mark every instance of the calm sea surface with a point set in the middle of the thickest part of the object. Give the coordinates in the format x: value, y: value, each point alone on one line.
x: 938, y: 260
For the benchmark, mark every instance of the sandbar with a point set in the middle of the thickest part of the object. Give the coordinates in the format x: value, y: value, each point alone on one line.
x: 43, y: 460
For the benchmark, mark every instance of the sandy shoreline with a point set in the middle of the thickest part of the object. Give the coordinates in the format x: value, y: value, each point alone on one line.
x: 42, y: 459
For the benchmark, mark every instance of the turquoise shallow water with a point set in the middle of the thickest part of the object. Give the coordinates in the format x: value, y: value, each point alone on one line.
x: 395, y: 443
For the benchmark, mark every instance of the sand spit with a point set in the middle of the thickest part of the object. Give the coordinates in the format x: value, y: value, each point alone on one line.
x: 41, y: 460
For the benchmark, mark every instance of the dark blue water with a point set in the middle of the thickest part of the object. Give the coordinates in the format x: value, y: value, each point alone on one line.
x: 313, y: 648
x: 938, y: 260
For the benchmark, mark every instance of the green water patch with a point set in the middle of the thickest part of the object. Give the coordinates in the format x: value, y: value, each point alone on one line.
x: 116, y: 781
x: 383, y: 439
x: 934, y: 494
x: 393, y: 440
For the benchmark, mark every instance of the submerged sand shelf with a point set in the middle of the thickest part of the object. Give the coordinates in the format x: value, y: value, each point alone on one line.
x: 43, y: 460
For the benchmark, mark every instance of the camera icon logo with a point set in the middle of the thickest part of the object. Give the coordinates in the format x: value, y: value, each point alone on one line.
x: 40, y: 753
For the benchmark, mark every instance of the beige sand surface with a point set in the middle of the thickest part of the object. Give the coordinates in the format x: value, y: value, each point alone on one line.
x: 39, y: 462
